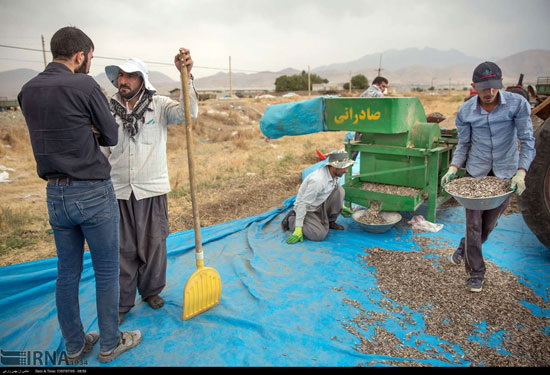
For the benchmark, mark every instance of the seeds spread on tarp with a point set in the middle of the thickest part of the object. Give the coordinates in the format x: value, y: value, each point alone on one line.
x: 372, y: 215
x: 491, y: 328
x: 484, y: 187
x: 390, y: 189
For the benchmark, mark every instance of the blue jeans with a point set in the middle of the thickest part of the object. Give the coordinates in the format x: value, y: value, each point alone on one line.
x: 85, y: 210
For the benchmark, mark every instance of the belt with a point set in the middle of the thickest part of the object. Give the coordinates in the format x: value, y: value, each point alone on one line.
x: 68, y: 179
x: 60, y: 180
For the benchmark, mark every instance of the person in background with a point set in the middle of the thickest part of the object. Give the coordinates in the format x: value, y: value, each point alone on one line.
x: 376, y: 90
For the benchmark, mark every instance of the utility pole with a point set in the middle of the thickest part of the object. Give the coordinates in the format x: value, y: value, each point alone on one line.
x: 44, y: 51
x: 308, y: 82
x: 380, y: 66
x: 230, y: 83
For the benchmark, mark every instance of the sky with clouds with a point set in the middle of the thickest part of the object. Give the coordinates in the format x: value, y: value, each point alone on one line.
x: 271, y: 35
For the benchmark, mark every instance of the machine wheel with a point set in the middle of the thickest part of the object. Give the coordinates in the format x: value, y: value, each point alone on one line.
x: 534, y: 203
x: 519, y: 91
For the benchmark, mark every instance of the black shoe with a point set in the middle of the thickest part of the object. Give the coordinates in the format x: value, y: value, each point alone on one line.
x: 457, y: 256
x: 475, y: 284
x: 284, y: 223
x: 335, y: 226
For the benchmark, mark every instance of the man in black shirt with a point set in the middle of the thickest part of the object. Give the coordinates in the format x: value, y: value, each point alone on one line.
x: 68, y: 118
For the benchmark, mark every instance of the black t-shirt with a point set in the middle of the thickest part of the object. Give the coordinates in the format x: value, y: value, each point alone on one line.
x: 60, y: 108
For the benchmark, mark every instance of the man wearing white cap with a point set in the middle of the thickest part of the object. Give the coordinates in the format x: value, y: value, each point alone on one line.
x: 140, y: 176
x: 489, y: 126
x: 319, y: 201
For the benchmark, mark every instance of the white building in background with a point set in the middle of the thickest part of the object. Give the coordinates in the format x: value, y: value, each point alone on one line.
x: 331, y: 86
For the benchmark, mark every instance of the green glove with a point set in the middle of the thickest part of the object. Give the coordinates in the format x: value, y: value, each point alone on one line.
x: 296, y: 236
x: 346, y: 211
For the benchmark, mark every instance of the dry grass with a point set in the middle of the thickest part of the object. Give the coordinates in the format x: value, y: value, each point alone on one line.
x: 238, y: 173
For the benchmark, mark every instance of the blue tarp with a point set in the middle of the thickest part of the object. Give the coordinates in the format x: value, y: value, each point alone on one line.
x: 294, y: 118
x: 281, y: 305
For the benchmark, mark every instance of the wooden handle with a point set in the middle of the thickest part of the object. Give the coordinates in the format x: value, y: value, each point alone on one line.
x: 194, y: 204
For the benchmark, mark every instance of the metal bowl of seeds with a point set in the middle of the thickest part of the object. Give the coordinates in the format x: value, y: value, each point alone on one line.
x: 483, y: 193
x: 375, y: 221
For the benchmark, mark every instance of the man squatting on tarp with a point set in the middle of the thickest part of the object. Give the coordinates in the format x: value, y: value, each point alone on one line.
x: 319, y: 201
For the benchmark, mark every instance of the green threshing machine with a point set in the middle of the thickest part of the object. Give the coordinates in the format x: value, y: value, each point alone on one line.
x: 398, y: 148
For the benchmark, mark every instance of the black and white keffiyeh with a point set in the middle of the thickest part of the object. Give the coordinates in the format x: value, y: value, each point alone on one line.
x: 130, y: 121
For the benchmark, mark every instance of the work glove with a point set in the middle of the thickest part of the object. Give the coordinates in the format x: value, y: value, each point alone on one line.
x: 346, y: 211
x: 296, y: 236
x: 451, y: 172
x: 518, y: 182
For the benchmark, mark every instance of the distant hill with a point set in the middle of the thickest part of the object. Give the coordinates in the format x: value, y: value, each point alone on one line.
x: 398, y: 59
x: 414, y: 67
x: 532, y: 63
x: 260, y: 80
x: 11, y: 81
x: 403, y: 68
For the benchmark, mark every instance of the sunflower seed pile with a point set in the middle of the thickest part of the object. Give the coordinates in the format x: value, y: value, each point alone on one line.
x: 372, y: 215
x: 484, y: 187
x: 493, y: 328
x: 390, y: 189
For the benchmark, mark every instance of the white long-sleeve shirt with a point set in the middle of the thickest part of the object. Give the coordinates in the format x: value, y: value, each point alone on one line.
x: 314, y: 190
x: 140, y: 165
x: 372, y: 92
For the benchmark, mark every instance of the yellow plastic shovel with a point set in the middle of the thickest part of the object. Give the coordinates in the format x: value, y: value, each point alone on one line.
x: 203, y: 289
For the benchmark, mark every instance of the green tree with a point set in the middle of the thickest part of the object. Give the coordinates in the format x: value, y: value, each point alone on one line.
x: 297, y: 82
x: 358, y: 81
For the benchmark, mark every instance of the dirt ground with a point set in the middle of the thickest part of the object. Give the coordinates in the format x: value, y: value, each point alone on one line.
x: 239, y: 172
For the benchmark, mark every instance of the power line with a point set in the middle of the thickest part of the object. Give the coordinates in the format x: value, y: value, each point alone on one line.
x: 41, y: 62
x: 123, y: 59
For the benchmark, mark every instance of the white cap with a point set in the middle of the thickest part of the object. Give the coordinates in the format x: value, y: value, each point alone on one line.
x: 132, y: 65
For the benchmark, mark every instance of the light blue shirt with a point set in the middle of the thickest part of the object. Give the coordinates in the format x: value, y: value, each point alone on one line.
x: 489, y: 140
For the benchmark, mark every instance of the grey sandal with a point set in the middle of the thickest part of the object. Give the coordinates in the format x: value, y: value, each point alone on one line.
x: 91, y: 338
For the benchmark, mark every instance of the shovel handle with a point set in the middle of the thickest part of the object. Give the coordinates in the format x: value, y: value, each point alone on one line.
x: 190, y: 160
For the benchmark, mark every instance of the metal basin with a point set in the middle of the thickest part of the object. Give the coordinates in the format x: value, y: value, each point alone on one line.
x: 392, y: 218
x: 481, y: 204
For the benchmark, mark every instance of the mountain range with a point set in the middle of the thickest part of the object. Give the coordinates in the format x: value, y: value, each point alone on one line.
x: 404, y: 68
